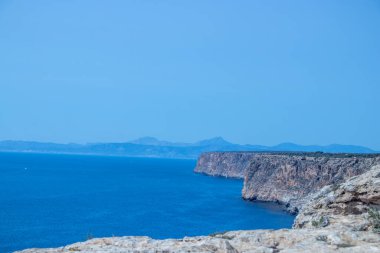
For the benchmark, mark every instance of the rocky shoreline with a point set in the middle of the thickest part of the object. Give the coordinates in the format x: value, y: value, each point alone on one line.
x: 340, y: 217
x: 287, y: 178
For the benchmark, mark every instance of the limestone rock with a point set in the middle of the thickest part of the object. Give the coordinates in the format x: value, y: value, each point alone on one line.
x: 346, y: 205
x: 287, y: 178
x: 256, y: 241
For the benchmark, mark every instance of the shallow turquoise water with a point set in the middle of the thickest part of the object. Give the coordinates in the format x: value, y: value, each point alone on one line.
x: 53, y: 200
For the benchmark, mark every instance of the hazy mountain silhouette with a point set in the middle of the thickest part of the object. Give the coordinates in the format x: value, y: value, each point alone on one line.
x: 152, y: 147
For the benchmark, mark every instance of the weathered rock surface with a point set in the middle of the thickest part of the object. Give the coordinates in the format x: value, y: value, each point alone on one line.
x: 336, y: 219
x: 284, y: 177
x: 224, y: 164
x: 344, y: 206
x: 260, y: 241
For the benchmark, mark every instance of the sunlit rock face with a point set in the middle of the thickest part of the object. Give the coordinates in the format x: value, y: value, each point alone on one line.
x: 224, y: 164
x: 346, y: 206
x: 287, y: 178
x: 254, y: 241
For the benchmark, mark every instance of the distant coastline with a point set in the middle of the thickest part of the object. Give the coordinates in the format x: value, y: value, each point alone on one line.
x: 154, y: 148
x: 94, y: 154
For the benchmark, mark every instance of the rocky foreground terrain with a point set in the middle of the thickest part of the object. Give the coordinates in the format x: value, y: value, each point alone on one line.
x: 338, y: 218
x: 286, y: 178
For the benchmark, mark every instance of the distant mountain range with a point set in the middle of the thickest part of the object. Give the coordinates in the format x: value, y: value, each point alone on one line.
x: 152, y: 147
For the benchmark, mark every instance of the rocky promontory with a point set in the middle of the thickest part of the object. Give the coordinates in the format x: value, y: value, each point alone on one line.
x: 285, y: 177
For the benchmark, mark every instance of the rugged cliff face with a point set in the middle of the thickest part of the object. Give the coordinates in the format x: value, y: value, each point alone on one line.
x: 338, y: 218
x: 225, y: 164
x: 351, y: 205
x: 287, y: 178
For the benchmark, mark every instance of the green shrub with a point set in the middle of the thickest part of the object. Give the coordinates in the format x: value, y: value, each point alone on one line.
x: 374, y: 217
x: 323, y: 221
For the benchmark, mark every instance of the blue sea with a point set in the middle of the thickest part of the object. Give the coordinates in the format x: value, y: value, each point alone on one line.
x: 49, y: 200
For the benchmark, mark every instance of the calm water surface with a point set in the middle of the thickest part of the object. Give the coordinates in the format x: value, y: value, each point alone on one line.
x: 53, y: 200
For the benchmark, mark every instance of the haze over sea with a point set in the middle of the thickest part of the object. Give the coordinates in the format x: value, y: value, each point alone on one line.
x: 49, y: 200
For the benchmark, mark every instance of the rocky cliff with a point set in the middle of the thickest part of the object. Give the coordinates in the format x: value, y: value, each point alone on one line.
x: 351, y: 205
x: 287, y: 178
x: 225, y: 164
x: 339, y: 218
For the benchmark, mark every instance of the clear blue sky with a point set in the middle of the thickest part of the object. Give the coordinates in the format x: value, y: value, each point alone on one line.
x: 260, y: 72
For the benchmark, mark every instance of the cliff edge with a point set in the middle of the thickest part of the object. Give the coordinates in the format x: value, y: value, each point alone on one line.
x: 285, y: 177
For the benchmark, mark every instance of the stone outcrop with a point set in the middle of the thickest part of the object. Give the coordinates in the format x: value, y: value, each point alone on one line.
x: 287, y: 178
x: 342, y: 217
x: 255, y: 241
x: 349, y: 205
x: 224, y: 164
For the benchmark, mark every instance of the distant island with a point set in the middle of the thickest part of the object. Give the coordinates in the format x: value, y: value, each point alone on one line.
x: 152, y: 147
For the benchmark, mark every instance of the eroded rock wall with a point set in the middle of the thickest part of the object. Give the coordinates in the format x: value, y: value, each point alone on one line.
x: 345, y: 206
x: 284, y: 177
x: 224, y: 164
